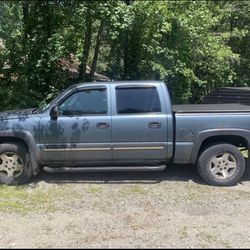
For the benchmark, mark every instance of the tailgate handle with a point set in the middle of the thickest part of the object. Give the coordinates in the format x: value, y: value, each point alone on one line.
x: 154, y: 125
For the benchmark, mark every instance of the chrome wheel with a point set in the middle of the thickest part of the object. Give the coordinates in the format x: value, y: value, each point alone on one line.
x: 11, y: 164
x: 223, y: 166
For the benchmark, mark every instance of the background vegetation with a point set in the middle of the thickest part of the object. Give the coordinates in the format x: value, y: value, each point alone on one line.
x: 194, y: 46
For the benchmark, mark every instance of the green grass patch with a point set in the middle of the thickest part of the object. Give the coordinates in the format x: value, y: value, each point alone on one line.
x: 134, y: 190
x: 94, y: 190
x: 26, y: 199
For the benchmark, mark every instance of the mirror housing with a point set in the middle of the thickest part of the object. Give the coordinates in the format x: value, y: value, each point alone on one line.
x: 54, y: 113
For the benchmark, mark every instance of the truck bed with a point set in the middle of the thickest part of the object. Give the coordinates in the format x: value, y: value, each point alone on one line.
x: 211, y: 108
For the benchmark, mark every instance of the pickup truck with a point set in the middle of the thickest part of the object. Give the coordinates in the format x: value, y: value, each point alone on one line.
x: 123, y: 126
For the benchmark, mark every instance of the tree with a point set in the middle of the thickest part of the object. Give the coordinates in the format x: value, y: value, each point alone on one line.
x: 194, y: 46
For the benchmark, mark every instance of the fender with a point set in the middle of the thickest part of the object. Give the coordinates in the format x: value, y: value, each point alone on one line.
x: 35, y: 153
x: 202, y: 136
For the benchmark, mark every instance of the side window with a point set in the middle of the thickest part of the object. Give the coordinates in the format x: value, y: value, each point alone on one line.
x: 85, y: 102
x: 136, y: 100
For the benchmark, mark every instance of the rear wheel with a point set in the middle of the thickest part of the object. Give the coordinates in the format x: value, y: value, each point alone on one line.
x: 221, y: 165
x: 15, y: 165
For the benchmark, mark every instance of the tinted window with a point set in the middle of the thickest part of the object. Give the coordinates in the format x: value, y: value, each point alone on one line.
x: 85, y: 102
x: 137, y: 100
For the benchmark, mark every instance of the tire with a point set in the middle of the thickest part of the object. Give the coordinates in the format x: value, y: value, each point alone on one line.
x: 15, y: 164
x: 221, y: 165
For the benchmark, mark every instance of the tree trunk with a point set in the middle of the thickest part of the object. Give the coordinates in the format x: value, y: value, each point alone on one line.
x: 126, y: 50
x: 87, y: 42
x: 96, y: 53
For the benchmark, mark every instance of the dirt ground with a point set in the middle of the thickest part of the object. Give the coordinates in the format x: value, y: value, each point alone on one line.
x: 169, y: 209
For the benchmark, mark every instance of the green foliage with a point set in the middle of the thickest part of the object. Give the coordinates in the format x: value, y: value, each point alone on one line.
x: 194, y: 46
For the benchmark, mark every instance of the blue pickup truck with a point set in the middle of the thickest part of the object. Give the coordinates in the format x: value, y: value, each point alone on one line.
x: 123, y: 126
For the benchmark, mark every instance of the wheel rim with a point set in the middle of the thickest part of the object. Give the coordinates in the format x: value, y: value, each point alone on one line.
x: 11, y: 164
x: 223, y: 166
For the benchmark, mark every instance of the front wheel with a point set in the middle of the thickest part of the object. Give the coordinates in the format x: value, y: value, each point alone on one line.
x: 15, y: 164
x: 221, y: 165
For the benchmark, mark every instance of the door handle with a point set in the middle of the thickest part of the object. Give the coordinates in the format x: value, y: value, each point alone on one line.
x: 102, y: 125
x: 154, y: 125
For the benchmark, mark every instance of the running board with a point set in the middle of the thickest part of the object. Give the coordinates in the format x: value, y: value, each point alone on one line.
x: 103, y: 169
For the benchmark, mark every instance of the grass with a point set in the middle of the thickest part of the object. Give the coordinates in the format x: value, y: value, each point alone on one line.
x: 25, y: 199
x: 94, y: 190
x: 22, y: 199
x: 134, y: 190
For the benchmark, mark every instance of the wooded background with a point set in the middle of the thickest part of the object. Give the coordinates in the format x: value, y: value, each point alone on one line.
x: 194, y: 46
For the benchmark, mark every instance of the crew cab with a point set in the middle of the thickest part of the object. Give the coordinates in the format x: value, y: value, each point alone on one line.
x: 123, y: 126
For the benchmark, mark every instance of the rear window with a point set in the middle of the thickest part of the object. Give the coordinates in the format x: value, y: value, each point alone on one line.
x: 137, y: 100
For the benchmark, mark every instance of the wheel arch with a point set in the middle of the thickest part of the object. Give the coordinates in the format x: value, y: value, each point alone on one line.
x: 236, y: 137
x: 26, y: 139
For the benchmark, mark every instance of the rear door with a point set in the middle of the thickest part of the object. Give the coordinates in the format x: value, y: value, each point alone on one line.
x: 139, y: 123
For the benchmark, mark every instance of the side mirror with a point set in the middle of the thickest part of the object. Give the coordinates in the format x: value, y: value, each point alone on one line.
x: 54, y: 113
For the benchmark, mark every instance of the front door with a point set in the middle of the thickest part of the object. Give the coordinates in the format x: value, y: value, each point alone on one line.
x: 82, y: 132
x: 139, y: 123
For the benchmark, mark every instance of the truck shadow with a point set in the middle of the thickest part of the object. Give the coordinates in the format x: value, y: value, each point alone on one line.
x: 171, y: 173
x: 177, y: 173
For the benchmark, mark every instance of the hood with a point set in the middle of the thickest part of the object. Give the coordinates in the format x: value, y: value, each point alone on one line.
x: 16, y: 114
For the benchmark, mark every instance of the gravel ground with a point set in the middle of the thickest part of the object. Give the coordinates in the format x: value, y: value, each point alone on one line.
x: 169, y: 209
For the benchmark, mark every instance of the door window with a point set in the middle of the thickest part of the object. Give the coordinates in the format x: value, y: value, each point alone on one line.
x: 136, y: 100
x: 85, y: 102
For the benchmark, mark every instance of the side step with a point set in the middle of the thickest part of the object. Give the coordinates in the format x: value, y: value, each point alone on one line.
x: 104, y: 169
